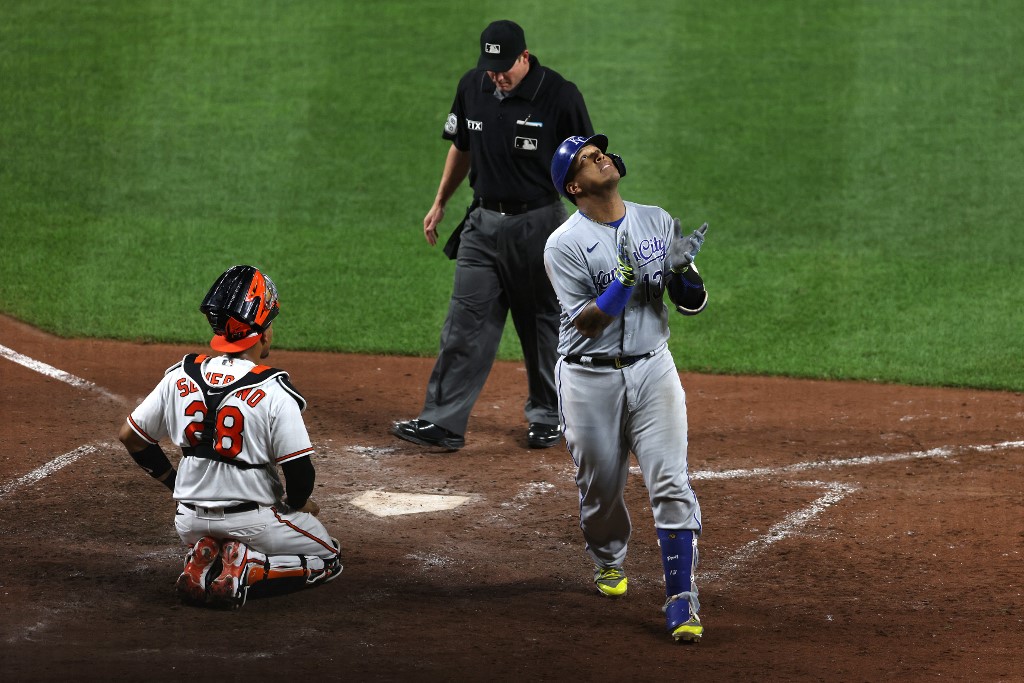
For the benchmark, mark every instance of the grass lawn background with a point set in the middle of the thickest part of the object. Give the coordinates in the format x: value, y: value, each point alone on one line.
x: 859, y: 164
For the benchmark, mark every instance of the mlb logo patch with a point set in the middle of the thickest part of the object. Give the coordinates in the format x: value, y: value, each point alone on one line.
x: 527, y: 144
x: 492, y: 48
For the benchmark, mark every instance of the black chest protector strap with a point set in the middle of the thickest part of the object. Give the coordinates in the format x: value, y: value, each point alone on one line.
x: 213, y: 397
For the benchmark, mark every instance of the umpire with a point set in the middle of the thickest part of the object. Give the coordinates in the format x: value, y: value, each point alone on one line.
x: 508, y: 118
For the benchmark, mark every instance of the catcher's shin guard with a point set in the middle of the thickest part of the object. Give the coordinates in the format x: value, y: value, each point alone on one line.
x: 241, y: 566
x: 192, y: 584
x: 246, y: 572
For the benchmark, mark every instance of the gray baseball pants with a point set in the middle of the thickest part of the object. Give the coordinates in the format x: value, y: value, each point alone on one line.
x: 500, y: 268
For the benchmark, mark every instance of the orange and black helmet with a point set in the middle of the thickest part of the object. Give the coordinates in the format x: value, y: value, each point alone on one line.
x: 240, y: 306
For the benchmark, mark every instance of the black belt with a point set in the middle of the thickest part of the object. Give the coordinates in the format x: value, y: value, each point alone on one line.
x: 513, y: 208
x: 241, y: 507
x: 618, y: 362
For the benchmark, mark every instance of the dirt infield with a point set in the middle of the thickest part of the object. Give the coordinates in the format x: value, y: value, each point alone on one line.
x: 852, y: 532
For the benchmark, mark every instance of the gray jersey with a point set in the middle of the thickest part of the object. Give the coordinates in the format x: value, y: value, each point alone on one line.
x: 580, y: 259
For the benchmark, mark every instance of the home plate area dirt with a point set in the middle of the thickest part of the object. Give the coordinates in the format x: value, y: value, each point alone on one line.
x: 852, y: 532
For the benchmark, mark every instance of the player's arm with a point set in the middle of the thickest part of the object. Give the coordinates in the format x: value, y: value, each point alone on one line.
x: 456, y: 168
x: 610, y: 304
x: 686, y: 290
x: 149, y: 456
x: 592, y: 320
x: 299, y: 477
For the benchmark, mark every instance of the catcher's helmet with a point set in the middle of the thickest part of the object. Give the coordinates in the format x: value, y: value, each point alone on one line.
x: 566, y: 154
x: 240, y: 306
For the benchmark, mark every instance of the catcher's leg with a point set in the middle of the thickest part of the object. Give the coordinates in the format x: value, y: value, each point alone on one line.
x: 243, y: 568
x: 199, y: 564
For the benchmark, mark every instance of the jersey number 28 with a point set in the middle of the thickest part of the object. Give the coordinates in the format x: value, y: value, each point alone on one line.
x: 227, y: 441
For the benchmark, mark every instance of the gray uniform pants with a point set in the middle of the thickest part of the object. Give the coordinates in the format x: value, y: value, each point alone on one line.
x: 500, y: 268
x: 609, y: 413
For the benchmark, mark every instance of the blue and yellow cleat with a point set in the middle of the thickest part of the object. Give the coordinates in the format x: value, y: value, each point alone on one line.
x: 611, y: 581
x: 682, y: 622
x: 690, y: 631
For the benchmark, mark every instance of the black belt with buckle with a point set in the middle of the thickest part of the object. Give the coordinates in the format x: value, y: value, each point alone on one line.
x: 617, y: 362
x: 514, y: 208
x: 241, y: 507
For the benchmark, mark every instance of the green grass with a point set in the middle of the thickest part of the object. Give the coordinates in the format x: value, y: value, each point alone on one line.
x: 859, y: 164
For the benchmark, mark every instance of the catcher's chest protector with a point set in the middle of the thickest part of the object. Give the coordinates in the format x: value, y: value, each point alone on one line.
x: 213, y: 397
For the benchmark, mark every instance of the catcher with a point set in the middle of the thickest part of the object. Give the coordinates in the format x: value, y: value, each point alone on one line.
x: 235, y: 421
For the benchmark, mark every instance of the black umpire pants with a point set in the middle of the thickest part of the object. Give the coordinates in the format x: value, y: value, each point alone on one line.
x: 500, y: 268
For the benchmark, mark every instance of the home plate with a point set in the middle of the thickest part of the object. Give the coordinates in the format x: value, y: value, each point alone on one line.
x: 385, y: 504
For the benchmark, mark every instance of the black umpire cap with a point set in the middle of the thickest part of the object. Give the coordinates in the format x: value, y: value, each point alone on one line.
x: 501, y: 43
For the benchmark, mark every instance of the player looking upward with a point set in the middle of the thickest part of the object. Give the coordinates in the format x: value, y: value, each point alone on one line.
x: 618, y: 388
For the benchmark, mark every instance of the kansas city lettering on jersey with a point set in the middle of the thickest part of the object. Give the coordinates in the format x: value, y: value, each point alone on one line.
x: 649, y: 250
x: 602, y: 280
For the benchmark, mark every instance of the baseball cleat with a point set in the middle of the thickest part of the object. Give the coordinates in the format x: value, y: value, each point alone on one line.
x: 689, y: 631
x: 683, y: 624
x: 191, y: 584
x: 231, y: 586
x: 610, y: 581
x: 332, y: 568
x: 543, y: 436
x: 427, y: 434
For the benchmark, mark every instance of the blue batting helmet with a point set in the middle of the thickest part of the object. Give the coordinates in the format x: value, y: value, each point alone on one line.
x: 566, y: 154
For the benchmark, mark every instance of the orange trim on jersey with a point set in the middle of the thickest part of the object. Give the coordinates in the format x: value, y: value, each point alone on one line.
x: 140, y: 431
x: 296, y: 454
x: 260, y: 369
x: 326, y: 544
x: 200, y: 358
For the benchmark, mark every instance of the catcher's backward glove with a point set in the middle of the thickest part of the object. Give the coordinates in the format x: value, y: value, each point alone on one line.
x: 683, y: 250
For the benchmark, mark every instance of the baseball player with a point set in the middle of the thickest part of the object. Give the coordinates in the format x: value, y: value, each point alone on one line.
x: 618, y: 389
x: 235, y: 421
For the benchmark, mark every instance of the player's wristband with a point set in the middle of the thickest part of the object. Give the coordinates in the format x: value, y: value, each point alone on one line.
x: 613, y: 300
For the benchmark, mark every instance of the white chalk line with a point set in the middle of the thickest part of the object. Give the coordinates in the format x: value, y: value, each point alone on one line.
x: 789, y: 525
x: 834, y: 493
x: 52, y: 372
x: 940, y: 452
x: 46, y: 470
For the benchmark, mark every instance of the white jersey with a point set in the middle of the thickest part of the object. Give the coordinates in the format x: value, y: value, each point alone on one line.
x: 259, y: 427
x: 580, y: 258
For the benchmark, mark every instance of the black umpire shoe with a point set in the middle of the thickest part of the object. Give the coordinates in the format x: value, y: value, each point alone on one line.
x: 428, y: 434
x: 542, y: 435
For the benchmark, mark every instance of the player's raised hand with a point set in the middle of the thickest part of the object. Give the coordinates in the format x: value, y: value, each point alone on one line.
x: 624, y: 273
x: 683, y: 250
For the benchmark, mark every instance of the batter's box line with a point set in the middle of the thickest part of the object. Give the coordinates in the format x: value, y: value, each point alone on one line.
x: 58, y: 463
x: 54, y: 373
x: 940, y: 452
x: 789, y: 525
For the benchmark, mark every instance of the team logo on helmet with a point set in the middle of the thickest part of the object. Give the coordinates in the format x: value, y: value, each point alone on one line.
x: 561, y: 163
x: 240, y: 306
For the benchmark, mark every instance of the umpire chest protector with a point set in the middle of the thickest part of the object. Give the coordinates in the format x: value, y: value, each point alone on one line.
x: 214, y: 397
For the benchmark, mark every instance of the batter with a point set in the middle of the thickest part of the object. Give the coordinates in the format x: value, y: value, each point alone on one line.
x: 610, y: 264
